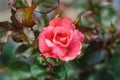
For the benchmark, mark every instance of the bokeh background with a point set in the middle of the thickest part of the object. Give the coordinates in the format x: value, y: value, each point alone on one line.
x: 70, y: 8
x: 97, y: 65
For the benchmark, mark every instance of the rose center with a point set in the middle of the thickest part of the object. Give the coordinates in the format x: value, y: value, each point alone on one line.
x: 61, y: 37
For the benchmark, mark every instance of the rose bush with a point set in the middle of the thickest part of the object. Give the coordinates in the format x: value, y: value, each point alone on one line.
x: 60, y: 40
x: 22, y: 59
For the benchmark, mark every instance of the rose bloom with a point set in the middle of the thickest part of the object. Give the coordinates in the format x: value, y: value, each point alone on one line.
x: 60, y: 40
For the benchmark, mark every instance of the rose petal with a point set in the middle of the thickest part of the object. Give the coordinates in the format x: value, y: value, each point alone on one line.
x: 45, y: 34
x: 63, y: 22
x: 61, y: 31
x: 73, y: 50
x: 55, y: 22
x: 42, y: 45
x: 49, y: 43
x: 78, y: 36
x: 60, y: 52
x: 48, y: 32
x: 67, y: 22
x: 49, y: 54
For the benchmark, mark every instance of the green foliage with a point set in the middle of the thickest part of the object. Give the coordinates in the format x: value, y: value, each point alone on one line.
x: 7, y: 52
x: 38, y: 70
x: 20, y: 58
x: 19, y: 70
x: 19, y: 4
x: 47, y: 6
x: 115, y: 67
x: 59, y: 72
x: 24, y: 50
x: 102, y: 31
x: 43, y: 20
x: 97, y: 56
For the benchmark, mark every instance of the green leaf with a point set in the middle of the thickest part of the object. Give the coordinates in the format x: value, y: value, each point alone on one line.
x: 20, y: 3
x: 103, y: 75
x: 92, y: 54
x: 115, y: 67
x: 37, y: 1
x: 116, y: 49
x: 59, y: 72
x: 8, y: 52
x: 21, y: 48
x: 44, y: 20
x: 24, y: 50
x: 107, y: 15
x: 0, y: 50
x: 19, y: 66
x: 38, y: 70
x: 72, y: 70
x: 5, y: 31
x: 47, y: 6
x: 72, y: 64
x: 19, y: 70
x: 102, y: 31
x: 97, y: 56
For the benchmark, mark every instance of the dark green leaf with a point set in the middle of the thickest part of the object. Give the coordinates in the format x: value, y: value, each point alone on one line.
x: 102, y: 31
x: 47, y: 6
x: 89, y: 52
x: 59, y: 72
x: 19, y: 66
x: 97, y: 56
x: 115, y: 67
x: 107, y: 15
x: 21, y: 49
x: 0, y: 50
x: 103, y: 75
x: 72, y: 64
x: 20, y: 3
x: 38, y: 70
x: 43, y: 20
x: 8, y: 52
x: 116, y: 49
x: 37, y: 1
x: 19, y: 70
x: 24, y: 50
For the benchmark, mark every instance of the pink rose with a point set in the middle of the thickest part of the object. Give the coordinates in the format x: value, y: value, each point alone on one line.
x: 60, y: 40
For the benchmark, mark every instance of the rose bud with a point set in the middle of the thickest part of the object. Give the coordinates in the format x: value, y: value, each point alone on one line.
x: 25, y: 16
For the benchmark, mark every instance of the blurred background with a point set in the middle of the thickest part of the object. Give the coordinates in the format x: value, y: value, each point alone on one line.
x: 107, y: 12
x: 4, y: 11
x: 70, y: 8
